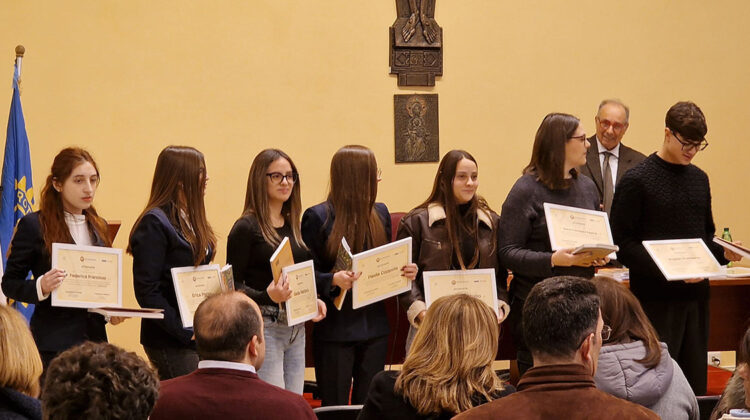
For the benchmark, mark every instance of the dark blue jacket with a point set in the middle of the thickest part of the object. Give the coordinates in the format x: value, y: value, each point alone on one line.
x: 347, y: 324
x: 54, y: 328
x: 157, y: 247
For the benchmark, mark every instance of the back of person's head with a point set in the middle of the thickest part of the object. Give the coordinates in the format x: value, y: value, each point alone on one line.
x: 625, y: 316
x: 99, y: 381
x: 558, y: 315
x: 224, y: 324
x: 687, y: 119
x: 20, y: 364
x: 450, y: 360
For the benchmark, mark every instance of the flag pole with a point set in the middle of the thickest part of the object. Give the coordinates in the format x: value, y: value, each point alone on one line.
x: 20, y: 50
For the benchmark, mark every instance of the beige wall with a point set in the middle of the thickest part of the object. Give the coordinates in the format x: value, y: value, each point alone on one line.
x: 126, y: 78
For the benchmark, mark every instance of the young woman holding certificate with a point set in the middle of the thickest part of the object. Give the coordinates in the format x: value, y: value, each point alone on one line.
x: 348, y: 343
x: 453, y: 229
x: 172, y: 231
x: 66, y: 215
x: 272, y: 211
x: 523, y: 240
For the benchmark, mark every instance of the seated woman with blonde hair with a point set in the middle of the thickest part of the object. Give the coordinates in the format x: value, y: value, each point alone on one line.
x: 20, y: 368
x: 448, y: 369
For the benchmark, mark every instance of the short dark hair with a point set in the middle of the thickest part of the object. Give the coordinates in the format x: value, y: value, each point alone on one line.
x: 548, y: 154
x: 743, y: 353
x: 99, y: 381
x: 223, y: 326
x: 688, y: 120
x: 558, y: 314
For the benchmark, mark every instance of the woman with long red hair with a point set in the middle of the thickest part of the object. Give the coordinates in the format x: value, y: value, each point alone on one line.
x: 66, y: 215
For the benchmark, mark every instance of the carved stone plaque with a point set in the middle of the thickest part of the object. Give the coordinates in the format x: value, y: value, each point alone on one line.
x: 416, y: 123
x: 416, y: 43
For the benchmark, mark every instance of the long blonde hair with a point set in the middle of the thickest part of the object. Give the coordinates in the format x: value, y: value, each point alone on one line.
x: 450, y: 360
x: 20, y: 364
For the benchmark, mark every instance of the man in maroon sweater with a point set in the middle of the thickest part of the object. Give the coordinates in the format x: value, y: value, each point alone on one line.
x: 563, y: 328
x: 229, y: 337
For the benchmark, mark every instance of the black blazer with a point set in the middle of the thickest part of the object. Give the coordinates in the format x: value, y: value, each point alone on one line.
x: 627, y: 159
x: 383, y: 403
x: 157, y: 247
x: 54, y: 328
x: 347, y: 324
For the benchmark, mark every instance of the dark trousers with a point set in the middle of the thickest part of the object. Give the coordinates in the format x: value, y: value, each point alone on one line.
x: 683, y: 325
x: 172, y: 362
x: 523, y: 355
x: 338, y: 364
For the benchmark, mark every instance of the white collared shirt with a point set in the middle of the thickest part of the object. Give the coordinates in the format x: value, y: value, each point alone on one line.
x: 613, y: 160
x: 220, y: 364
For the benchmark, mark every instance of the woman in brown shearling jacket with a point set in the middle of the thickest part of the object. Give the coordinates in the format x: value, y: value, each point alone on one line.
x: 454, y: 229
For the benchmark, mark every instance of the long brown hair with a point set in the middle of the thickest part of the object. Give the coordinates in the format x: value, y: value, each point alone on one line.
x: 548, y: 154
x: 178, y: 188
x: 624, y: 314
x: 256, y: 198
x: 51, y: 211
x: 442, y: 193
x: 353, y: 188
x: 450, y: 360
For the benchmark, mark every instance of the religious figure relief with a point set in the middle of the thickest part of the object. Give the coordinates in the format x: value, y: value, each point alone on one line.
x: 416, y: 128
x: 416, y: 41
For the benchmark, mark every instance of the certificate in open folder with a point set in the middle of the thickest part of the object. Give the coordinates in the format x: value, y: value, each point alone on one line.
x: 94, y: 276
x: 192, y: 285
x: 682, y: 259
x: 581, y: 229
x: 479, y: 283
x: 381, y: 273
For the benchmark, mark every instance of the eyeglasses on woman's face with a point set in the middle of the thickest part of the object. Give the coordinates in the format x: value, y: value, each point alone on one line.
x: 278, y: 177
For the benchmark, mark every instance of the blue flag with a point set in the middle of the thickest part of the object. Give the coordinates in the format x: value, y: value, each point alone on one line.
x: 17, y: 189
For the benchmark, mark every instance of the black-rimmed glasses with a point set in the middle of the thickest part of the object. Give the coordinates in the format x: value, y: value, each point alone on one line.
x: 278, y: 177
x: 582, y: 138
x: 697, y: 145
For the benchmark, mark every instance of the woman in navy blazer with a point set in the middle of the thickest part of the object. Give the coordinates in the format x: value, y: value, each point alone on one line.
x: 65, y: 215
x: 350, y: 343
x: 172, y: 231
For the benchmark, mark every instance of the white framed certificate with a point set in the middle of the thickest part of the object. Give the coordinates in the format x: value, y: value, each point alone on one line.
x: 681, y: 259
x: 303, y: 305
x: 192, y: 285
x: 572, y: 227
x: 93, y: 276
x: 480, y: 283
x: 381, y: 273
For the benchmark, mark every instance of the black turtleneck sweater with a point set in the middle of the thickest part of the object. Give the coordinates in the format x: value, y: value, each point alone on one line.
x: 658, y: 200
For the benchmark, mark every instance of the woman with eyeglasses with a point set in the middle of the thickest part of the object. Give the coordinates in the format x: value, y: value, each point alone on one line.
x: 66, y: 215
x: 524, y: 246
x: 633, y: 364
x: 453, y: 229
x: 350, y: 345
x: 172, y: 231
x: 272, y: 212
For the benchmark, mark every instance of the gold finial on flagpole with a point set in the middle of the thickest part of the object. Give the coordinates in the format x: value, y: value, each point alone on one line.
x: 20, y: 50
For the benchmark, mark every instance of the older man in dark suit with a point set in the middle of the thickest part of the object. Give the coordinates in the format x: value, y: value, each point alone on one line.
x: 229, y: 338
x: 608, y: 159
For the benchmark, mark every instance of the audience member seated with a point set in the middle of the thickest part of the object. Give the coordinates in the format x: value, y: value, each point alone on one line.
x: 448, y: 369
x: 736, y: 396
x: 99, y: 381
x: 633, y: 364
x: 20, y: 368
x: 562, y: 326
x: 229, y: 339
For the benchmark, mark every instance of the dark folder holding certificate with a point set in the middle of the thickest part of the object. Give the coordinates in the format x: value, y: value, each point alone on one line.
x: 343, y: 263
